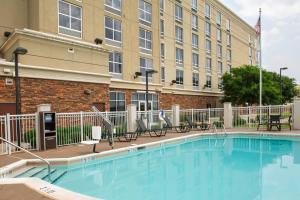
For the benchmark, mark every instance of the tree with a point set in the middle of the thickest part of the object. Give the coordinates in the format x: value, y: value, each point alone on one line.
x: 241, y: 86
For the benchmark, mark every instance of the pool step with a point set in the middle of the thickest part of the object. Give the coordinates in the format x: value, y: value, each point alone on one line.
x: 44, y: 173
x: 57, y: 175
x: 30, y: 172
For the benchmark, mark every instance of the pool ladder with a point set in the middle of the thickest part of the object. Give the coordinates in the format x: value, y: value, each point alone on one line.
x: 223, y: 128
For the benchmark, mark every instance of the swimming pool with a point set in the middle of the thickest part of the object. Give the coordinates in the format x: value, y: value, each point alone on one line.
x: 215, y: 167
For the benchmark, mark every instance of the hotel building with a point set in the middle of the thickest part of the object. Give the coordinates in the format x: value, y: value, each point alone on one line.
x: 87, y: 52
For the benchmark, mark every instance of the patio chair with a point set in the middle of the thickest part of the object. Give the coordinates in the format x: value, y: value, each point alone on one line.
x: 96, y: 137
x: 274, y: 121
x: 288, y: 123
x: 263, y: 122
x: 182, y: 128
x: 123, y: 136
x: 156, y: 132
x: 197, y: 125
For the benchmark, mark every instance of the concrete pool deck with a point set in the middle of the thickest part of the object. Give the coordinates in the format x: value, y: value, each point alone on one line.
x: 84, y: 150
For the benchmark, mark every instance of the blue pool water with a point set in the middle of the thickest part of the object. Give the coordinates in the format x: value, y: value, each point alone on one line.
x: 211, y: 168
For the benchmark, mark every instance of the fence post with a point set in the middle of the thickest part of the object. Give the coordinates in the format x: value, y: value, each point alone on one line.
x: 227, y: 115
x: 131, y: 120
x: 192, y: 115
x: 37, y: 131
x: 296, y: 115
x: 81, y: 126
x: 249, y: 117
x: 176, y: 115
x: 209, y: 115
x: 8, y: 133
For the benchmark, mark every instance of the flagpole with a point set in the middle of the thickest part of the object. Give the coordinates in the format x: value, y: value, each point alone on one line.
x: 260, y: 62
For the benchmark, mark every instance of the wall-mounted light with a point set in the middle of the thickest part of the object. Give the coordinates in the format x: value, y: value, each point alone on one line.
x: 137, y: 74
x: 205, y: 86
x: 87, y: 91
x: 98, y: 41
x: 7, y: 34
x: 172, y: 82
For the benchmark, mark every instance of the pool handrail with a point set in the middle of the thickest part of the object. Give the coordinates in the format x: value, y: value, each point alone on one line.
x: 40, y: 158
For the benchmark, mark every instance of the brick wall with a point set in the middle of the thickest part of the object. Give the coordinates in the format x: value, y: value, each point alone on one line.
x: 187, y: 101
x: 64, y: 96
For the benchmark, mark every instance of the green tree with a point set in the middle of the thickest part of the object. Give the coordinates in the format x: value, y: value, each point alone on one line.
x: 241, y: 86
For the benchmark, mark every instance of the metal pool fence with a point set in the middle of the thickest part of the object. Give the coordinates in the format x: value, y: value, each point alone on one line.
x: 210, y: 115
x: 154, y: 119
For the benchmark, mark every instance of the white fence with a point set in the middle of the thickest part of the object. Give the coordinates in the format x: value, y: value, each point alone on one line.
x: 153, y: 117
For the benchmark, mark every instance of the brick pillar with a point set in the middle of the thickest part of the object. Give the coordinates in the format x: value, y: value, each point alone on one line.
x: 296, y: 115
x: 227, y: 115
x: 176, y: 115
x: 131, y: 121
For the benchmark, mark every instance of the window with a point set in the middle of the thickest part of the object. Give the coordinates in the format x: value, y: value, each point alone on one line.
x: 196, y: 80
x: 194, y: 4
x: 195, y: 60
x: 161, y: 5
x: 229, y: 68
x: 219, y: 34
x: 250, y: 52
x: 229, y: 55
x: 145, y: 39
x: 207, y: 10
x: 220, y: 83
x: 207, y: 29
x: 179, y: 34
x: 219, y: 18
x: 113, y: 29
x: 179, y: 56
x: 139, y: 100
x: 228, y: 39
x: 228, y: 24
x: 194, y: 21
x: 162, y: 50
x: 70, y: 19
x: 145, y: 64
x: 220, y: 67
x: 162, y: 27
x: 250, y: 39
x: 179, y: 77
x: 208, y: 46
x: 115, y: 4
x: 178, y: 13
x: 208, y: 65
x: 117, y: 101
x: 195, y: 40
x: 115, y: 62
x: 145, y: 10
x: 219, y: 51
x: 163, y: 75
x: 208, y: 81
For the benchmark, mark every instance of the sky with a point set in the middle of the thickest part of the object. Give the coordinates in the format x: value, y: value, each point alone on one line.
x: 280, y: 31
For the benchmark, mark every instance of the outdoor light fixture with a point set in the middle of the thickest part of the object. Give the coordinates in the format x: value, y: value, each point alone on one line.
x: 281, y: 69
x: 18, y: 51
x: 137, y: 74
x: 7, y: 34
x: 172, y: 82
x: 98, y: 41
x: 205, y: 86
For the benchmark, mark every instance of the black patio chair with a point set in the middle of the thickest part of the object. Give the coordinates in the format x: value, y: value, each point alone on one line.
x: 182, y: 128
x: 123, y: 136
x: 274, y: 121
x: 155, y: 132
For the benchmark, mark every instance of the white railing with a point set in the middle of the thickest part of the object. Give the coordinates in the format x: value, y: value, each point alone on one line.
x: 3, y: 134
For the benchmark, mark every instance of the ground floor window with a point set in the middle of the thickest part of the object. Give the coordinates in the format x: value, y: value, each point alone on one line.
x: 117, y: 101
x: 139, y: 99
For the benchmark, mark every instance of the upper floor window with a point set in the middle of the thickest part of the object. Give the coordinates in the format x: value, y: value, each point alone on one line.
x: 162, y: 5
x: 195, y: 40
x: 229, y: 68
x: 146, y: 64
x: 228, y: 24
x: 195, y: 60
x: 208, y: 46
x: 145, y: 39
x: 163, y: 74
x: 208, y: 65
x: 145, y: 9
x: 179, y: 77
x: 179, y: 56
x: 194, y: 21
x: 207, y: 10
x: 114, y: 4
x: 219, y: 18
x: 219, y: 34
x: 194, y: 4
x: 220, y: 67
x: 179, y: 34
x: 113, y: 29
x: 178, y: 13
x: 229, y: 55
x: 219, y: 51
x: 208, y: 81
x: 70, y: 19
x: 162, y: 50
x: 162, y: 27
x: 207, y: 28
x: 115, y: 62
x: 117, y: 101
x: 196, y: 80
x: 220, y: 83
x: 228, y: 39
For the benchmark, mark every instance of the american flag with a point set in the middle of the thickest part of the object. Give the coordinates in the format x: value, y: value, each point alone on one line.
x: 258, y: 27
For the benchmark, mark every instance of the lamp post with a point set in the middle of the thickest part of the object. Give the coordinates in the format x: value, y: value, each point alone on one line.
x: 18, y: 51
x: 281, y: 69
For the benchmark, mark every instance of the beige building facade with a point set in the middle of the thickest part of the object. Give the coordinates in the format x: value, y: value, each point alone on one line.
x: 79, y: 46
